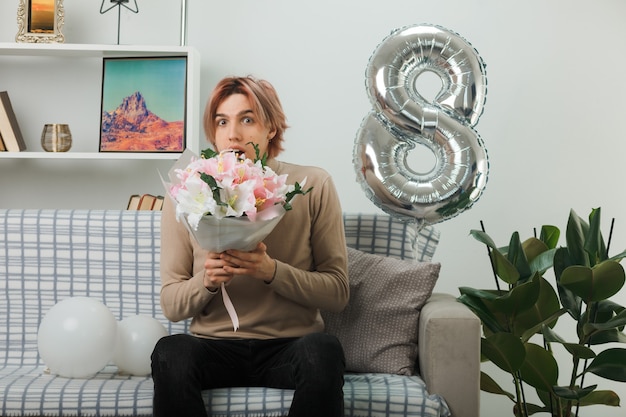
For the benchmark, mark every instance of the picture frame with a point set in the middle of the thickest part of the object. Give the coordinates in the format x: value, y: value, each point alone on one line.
x: 40, y: 21
x: 144, y: 104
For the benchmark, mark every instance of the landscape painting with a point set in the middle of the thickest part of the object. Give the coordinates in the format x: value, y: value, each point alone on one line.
x: 143, y: 104
x: 41, y: 16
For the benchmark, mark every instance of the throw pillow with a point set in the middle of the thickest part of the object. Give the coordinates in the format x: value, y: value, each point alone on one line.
x: 378, y: 327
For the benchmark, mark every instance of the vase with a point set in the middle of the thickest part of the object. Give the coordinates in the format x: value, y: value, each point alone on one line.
x: 56, y: 138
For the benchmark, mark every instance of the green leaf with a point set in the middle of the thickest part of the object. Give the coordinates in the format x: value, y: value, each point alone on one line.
x: 575, y: 238
x: 594, y: 284
x: 607, y: 336
x: 618, y: 321
x: 594, y: 243
x: 549, y: 321
x: 475, y: 303
x: 577, y: 350
x: 533, y: 247
x: 542, y: 262
x: 483, y: 238
x: 609, y: 364
x: 291, y: 194
x: 501, y: 265
x: 519, y: 299
x: 606, y: 326
x: 505, y: 350
x: 546, y: 305
x: 531, y: 408
x: 574, y: 394
x: 208, y: 153
x: 618, y: 257
x: 601, y: 397
x: 606, y: 310
x: 569, y: 300
x: 257, y: 154
x: 487, y: 384
x: 548, y: 399
x: 517, y: 256
x: 539, y: 369
x: 478, y: 293
x: 579, y: 280
x: 214, y: 187
x: 609, y: 308
x: 609, y: 278
x: 504, y: 268
x: 550, y: 236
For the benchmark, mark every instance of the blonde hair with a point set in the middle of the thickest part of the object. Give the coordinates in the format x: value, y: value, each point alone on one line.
x: 265, y: 104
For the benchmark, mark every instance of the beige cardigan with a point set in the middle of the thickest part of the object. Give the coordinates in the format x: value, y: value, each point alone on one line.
x: 309, y: 247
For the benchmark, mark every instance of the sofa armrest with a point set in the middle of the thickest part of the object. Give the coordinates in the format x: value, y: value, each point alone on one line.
x: 449, y: 353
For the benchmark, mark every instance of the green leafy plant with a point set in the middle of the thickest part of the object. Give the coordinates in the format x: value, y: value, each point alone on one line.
x: 519, y: 317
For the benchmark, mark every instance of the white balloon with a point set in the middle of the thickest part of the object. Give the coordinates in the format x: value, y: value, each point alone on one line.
x: 136, y: 338
x: 76, y: 337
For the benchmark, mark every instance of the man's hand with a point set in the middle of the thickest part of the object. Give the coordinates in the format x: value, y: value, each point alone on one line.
x: 214, y: 273
x: 256, y: 263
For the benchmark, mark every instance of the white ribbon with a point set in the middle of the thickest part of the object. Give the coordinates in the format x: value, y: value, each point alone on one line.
x: 230, y: 308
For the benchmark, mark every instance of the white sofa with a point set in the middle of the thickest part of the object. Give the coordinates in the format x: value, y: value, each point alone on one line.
x: 113, y: 256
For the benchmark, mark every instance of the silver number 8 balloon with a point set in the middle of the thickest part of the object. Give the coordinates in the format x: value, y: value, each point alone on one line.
x: 402, y: 120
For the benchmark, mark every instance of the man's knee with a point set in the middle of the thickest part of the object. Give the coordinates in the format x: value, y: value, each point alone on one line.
x: 168, y: 355
x: 324, y: 352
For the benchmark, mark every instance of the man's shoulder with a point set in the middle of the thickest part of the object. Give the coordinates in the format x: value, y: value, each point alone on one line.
x: 291, y: 169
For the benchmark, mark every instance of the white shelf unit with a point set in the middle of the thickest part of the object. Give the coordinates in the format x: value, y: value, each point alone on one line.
x: 90, y: 51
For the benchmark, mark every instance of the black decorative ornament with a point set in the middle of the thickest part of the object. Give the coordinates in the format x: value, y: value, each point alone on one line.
x: 119, y: 4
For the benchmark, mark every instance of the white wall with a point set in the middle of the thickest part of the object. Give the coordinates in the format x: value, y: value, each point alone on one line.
x: 552, y: 125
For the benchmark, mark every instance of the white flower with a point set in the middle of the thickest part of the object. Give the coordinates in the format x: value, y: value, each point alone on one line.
x: 223, y: 185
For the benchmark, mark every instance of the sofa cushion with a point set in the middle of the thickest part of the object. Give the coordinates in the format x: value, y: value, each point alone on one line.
x: 378, y: 328
x: 109, y: 393
x: 382, y: 234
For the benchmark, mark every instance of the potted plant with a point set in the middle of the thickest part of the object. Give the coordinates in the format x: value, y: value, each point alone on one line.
x: 519, y: 317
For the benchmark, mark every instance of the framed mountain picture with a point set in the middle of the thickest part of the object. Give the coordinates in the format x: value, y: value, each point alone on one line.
x: 143, y: 104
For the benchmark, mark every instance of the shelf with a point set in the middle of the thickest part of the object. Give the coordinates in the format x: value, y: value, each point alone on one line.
x: 88, y: 50
x: 89, y: 155
x: 18, y: 56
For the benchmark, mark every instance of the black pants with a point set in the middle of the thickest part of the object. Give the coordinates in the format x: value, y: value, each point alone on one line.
x: 184, y: 365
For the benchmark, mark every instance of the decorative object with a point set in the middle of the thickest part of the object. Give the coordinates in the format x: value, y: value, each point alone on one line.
x: 520, y: 321
x: 378, y: 327
x: 403, y: 121
x: 227, y: 201
x: 77, y: 337
x: 56, y: 138
x: 226, y: 185
x: 40, y: 21
x: 136, y: 337
x: 9, y: 127
x: 118, y: 4
x: 143, y: 104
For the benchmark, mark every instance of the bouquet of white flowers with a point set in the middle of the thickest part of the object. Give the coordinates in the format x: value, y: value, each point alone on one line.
x: 236, y: 200
x: 229, y: 202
